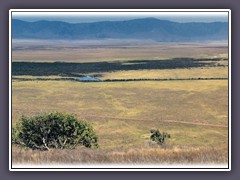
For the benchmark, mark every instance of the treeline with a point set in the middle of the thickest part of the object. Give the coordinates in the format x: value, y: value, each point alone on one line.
x: 113, y: 80
x: 43, y: 79
x: 157, y: 79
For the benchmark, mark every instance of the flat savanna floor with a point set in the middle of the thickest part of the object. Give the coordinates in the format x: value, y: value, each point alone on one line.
x: 111, y: 50
x: 194, y: 112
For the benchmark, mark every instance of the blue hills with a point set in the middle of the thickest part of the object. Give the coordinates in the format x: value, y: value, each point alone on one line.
x: 142, y: 29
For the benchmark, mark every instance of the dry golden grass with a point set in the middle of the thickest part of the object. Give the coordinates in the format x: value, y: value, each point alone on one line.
x: 195, y: 113
x: 206, y: 72
x: 122, y: 113
x: 185, y: 100
x: 145, y: 155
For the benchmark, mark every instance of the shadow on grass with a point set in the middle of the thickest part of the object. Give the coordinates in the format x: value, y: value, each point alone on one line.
x: 74, y: 69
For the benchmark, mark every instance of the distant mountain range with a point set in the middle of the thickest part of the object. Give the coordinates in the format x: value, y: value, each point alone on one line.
x: 146, y: 28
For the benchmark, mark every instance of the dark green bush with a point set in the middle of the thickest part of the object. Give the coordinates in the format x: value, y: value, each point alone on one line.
x: 53, y: 130
x: 159, y: 137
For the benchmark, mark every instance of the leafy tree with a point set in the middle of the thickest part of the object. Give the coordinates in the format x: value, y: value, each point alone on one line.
x: 53, y: 130
x: 159, y: 137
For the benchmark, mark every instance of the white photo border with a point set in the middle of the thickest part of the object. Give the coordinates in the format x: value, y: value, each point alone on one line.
x: 116, y: 167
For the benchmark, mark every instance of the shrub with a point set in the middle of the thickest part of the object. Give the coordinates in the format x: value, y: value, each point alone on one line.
x: 159, y: 137
x: 53, y: 130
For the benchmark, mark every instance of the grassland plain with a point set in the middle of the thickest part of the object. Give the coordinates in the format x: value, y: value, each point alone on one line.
x: 204, y: 72
x: 112, y: 50
x: 194, y: 112
x: 123, y: 113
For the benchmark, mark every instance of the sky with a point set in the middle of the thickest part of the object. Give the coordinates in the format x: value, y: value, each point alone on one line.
x: 85, y: 17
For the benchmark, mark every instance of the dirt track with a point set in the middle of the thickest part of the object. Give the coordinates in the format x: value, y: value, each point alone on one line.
x: 168, y: 121
x: 94, y: 117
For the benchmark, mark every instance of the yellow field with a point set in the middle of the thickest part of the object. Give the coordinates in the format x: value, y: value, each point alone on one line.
x: 206, y: 72
x: 193, y: 112
x: 124, y: 112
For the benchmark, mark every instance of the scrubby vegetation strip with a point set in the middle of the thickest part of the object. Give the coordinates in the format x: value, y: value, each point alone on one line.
x: 70, y: 69
x: 113, y: 80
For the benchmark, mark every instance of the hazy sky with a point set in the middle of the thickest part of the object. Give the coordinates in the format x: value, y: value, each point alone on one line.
x: 81, y: 17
